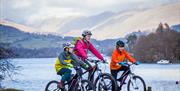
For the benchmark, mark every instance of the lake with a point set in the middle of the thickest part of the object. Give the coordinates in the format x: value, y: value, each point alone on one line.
x: 37, y: 72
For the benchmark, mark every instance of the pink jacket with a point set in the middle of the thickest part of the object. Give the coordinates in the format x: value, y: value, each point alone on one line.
x: 81, y: 50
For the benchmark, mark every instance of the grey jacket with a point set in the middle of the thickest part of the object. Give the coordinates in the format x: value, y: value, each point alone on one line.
x: 71, y: 56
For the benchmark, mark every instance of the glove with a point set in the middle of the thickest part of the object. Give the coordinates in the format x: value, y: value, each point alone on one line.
x: 122, y: 63
x: 70, y: 65
x: 137, y: 63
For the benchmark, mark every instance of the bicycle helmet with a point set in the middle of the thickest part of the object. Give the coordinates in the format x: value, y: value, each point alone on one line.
x: 86, y: 32
x: 120, y: 44
x: 68, y: 45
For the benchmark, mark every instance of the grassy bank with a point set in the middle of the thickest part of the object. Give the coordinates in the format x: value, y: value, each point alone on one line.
x: 10, y: 89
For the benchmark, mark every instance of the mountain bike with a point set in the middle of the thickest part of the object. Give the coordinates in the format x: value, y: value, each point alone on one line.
x: 135, y: 83
x: 103, y: 81
x: 76, y: 83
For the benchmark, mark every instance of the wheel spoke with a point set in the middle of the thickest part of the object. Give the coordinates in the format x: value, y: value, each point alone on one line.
x: 52, y: 86
x: 84, y: 86
x: 136, y: 84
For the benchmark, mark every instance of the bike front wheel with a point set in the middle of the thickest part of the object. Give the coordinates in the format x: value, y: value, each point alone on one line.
x: 105, y: 82
x: 136, y: 84
x: 84, y: 85
x: 53, y: 86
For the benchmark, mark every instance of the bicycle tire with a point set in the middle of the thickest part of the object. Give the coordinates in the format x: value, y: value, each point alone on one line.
x: 106, y: 76
x: 90, y: 86
x: 141, y: 80
x: 55, y: 88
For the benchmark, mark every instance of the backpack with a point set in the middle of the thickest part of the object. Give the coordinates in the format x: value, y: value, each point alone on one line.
x: 74, y: 42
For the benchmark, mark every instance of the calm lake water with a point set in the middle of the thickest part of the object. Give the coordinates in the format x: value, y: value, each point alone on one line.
x: 37, y: 72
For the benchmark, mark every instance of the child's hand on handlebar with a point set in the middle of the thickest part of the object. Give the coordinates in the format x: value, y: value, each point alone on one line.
x: 70, y: 65
x: 123, y: 63
x: 137, y: 63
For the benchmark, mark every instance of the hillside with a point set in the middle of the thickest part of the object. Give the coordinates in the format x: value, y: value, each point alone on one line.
x: 18, y: 26
x: 144, y: 21
x: 110, y: 25
x: 26, y: 44
x: 18, y: 38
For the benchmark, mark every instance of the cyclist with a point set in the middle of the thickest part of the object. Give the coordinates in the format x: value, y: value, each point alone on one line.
x: 118, y: 57
x: 83, y: 45
x: 66, y: 60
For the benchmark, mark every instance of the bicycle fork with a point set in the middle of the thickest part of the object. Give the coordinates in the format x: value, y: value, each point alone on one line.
x: 133, y: 81
x: 102, y: 82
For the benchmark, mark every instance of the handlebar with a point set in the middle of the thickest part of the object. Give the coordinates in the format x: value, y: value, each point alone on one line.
x: 128, y: 64
x: 95, y: 61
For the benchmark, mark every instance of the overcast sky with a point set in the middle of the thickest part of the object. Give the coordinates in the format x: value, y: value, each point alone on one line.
x: 32, y: 10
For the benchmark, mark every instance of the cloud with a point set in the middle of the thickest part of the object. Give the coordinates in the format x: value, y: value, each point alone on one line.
x: 21, y: 4
x: 24, y: 11
x: 53, y: 12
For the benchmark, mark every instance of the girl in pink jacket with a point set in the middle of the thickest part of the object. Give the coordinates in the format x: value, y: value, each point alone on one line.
x: 84, y: 45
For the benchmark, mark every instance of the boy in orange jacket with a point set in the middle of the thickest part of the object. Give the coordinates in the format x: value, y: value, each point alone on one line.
x: 118, y: 57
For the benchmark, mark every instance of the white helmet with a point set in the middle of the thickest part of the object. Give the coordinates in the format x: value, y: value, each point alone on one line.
x: 68, y: 45
x: 86, y: 32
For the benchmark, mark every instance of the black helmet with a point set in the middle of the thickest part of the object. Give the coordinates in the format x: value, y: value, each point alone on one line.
x: 120, y: 44
x: 86, y: 32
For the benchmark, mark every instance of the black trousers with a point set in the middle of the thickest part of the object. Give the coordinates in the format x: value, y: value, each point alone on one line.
x: 90, y: 72
x: 115, y: 72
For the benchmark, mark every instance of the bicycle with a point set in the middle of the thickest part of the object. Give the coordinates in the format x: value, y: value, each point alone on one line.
x: 134, y: 80
x: 76, y: 83
x: 104, y: 81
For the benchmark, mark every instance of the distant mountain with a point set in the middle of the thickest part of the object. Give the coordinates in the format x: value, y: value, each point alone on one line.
x: 63, y: 26
x: 141, y: 20
x: 18, y: 26
x: 115, y: 25
x: 107, y: 25
x: 86, y: 22
x: 20, y: 39
x: 29, y: 45
x: 26, y: 44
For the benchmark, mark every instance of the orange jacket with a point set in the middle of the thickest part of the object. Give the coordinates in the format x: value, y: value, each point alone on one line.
x: 117, y: 57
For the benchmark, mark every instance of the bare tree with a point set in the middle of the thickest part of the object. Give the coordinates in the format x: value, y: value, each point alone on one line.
x: 7, y: 69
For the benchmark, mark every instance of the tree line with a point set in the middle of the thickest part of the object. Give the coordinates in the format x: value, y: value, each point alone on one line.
x: 164, y: 43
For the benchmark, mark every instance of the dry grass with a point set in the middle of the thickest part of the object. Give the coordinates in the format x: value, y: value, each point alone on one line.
x: 10, y: 89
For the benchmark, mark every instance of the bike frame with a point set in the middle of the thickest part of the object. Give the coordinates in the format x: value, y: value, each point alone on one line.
x: 94, y: 69
x: 125, y: 76
x: 76, y: 77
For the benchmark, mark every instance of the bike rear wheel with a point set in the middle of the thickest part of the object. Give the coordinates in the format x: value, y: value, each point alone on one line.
x: 84, y: 85
x: 136, y: 84
x: 105, y: 82
x: 53, y: 86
